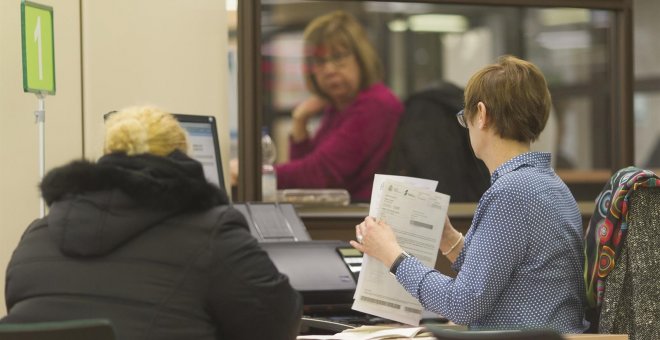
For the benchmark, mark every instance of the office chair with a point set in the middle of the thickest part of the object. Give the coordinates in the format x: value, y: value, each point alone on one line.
x: 442, y: 333
x: 631, y: 301
x: 622, y: 255
x: 88, y: 329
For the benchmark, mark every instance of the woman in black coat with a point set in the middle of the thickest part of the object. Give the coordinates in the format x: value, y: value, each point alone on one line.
x: 141, y: 238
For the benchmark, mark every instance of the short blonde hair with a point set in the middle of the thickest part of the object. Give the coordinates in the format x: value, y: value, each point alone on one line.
x: 339, y: 29
x: 145, y: 129
x: 516, y: 97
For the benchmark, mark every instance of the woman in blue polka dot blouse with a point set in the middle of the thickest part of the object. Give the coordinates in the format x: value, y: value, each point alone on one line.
x: 520, y: 264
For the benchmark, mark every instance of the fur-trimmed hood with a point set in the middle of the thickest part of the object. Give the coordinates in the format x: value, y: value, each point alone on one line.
x: 95, y: 207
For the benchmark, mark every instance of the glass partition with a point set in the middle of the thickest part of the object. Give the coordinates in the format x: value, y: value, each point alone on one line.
x: 423, y: 44
x: 647, y: 85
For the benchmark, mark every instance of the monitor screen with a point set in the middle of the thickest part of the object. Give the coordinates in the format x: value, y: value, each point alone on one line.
x: 204, y: 145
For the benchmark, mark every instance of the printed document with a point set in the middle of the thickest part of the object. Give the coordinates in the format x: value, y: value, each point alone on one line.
x: 373, y: 333
x: 417, y: 215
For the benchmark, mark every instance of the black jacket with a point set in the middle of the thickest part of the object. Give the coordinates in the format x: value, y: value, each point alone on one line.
x: 146, y: 242
x: 429, y: 143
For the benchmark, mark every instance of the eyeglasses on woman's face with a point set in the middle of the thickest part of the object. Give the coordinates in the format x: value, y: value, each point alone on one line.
x: 460, y: 116
x: 337, y: 59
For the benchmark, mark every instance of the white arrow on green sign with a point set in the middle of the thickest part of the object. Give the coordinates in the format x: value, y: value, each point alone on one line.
x: 38, y: 48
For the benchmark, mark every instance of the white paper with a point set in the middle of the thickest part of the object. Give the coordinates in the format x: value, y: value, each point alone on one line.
x: 377, y: 193
x: 369, y: 333
x: 377, y: 189
x: 417, y: 215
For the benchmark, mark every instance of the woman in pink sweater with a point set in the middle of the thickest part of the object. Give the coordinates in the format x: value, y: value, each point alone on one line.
x: 360, y: 114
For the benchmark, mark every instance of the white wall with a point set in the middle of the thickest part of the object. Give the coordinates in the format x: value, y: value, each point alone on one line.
x: 19, y: 165
x: 172, y: 54
x: 109, y: 54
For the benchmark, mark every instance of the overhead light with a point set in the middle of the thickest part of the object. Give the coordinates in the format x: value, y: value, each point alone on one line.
x: 438, y: 23
x: 564, y: 16
x: 398, y: 25
x: 231, y: 5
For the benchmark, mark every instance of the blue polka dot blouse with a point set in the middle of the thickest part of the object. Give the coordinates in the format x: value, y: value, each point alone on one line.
x: 521, y: 265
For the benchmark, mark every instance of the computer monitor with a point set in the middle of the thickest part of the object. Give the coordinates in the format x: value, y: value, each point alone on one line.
x: 204, y: 145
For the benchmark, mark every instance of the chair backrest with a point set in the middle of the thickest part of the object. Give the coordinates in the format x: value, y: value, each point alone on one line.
x: 89, y: 329
x: 621, y: 254
x: 631, y: 300
x: 441, y: 333
x: 429, y: 143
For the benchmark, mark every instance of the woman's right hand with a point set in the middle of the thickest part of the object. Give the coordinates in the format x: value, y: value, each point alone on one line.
x: 302, y: 113
x: 377, y: 239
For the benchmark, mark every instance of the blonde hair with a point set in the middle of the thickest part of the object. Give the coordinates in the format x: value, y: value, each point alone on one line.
x: 137, y: 130
x: 336, y: 30
x: 516, y: 97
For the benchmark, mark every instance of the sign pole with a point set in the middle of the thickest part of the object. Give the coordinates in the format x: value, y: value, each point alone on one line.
x: 38, y: 43
x: 40, y: 116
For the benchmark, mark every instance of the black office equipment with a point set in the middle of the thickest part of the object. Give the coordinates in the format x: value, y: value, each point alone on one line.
x: 317, y: 270
x: 324, y: 272
x: 273, y: 222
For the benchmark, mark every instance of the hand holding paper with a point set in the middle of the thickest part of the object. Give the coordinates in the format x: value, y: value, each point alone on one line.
x: 378, y: 240
x: 414, y: 216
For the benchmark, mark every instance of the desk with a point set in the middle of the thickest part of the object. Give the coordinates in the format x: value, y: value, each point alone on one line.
x: 338, y: 223
x: 567, y: 337
x: 596, y: 336
x: 570, y: 337
x: 365, y: 332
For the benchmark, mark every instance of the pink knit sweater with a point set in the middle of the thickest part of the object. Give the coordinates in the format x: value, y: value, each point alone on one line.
x: 349, y: 147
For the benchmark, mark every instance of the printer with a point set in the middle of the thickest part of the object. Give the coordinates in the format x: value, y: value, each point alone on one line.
x: 324, y: 272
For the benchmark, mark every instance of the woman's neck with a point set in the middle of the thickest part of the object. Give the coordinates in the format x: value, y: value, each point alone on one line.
x: 342, y: 103
x: 501, y: 151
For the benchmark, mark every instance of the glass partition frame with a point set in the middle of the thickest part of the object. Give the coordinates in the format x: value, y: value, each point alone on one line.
x: 250, y: 80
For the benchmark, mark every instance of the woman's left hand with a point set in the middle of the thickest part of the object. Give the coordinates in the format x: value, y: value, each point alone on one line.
x: 233, y: 171
x: 377, y: 239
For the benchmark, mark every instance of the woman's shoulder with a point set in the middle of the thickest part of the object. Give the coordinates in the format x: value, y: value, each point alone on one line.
x: 214, y: 223
x: 379, y: 90
x: 223, y: 216
x: 528, y: 186
x: 378, y: 96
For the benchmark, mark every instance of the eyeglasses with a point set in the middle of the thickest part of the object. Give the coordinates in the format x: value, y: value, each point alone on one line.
x: 460, y: 116
x: 337, y: 60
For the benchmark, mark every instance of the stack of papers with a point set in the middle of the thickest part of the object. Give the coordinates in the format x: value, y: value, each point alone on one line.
x: 417, y: 216
x: 372, y: 333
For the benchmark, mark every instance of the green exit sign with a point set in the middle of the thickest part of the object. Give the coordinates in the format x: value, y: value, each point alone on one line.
x: 38, y: 48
